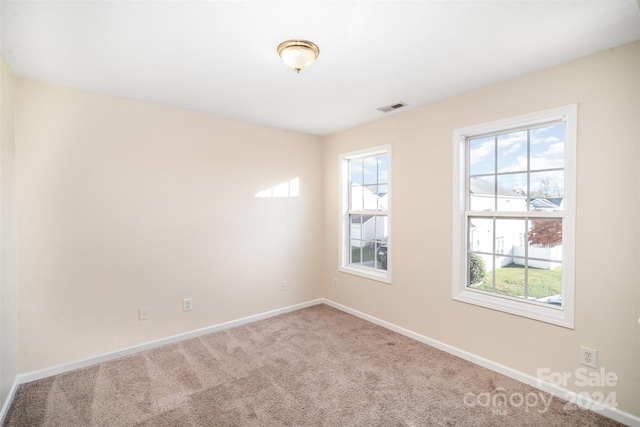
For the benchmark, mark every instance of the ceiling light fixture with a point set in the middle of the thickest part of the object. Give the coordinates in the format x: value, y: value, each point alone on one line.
x: 298, y: 54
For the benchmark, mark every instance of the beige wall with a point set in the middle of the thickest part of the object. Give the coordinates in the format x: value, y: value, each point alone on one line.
x: 8, y: 293
x: 605, y: 87
x: 123, y: 204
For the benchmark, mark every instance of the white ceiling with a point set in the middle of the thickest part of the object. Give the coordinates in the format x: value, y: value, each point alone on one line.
x: 220, y: 57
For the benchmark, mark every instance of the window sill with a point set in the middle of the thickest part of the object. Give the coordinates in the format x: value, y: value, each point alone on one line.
x: 368, y: 273
x: 541, y: 312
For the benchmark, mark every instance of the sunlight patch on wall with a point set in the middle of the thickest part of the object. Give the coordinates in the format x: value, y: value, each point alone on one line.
x: 289, y: 188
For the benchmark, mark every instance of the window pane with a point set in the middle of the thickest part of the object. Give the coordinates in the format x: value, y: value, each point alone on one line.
x: 480, y: 235
x: 383, y: 169
x: 368, y: 227
x: 510, y: 235
x: 356, y: 197
x: 510, y: 280
x: 482, y: 156
x: 371, y: 197
x: 545, y: 239
x: 381, y: 256
x: 383, y: 197
x: 478, y: 274
x: 355, y: 251
x: 512, y: 152
x: 362, y: 253
x: 356, y: 166
x: 547, y: 191
x: 545, y: 284
x: 512, y: 192
x: 370, y: 170
x: 547, y: 147
x: 509, y: 245
x: 355, y: 230
x: 482, y: 193
x: 381, y: 228
x: 368, y: 254
x: 545, y: 256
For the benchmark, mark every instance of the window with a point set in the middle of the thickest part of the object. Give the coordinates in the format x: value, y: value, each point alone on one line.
x: 364, y: 233
x: 514, y: 215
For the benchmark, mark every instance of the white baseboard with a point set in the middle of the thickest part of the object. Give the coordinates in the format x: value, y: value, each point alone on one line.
x: 607, y: 411
x: 8, y: 400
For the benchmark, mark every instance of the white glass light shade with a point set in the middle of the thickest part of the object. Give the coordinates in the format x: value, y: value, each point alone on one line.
x: 298, y: 54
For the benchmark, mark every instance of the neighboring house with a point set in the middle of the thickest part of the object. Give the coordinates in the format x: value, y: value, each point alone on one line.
x: 366, y: 197
x: 510, y: 235
x: 483, y: 193
x: 547, y: 204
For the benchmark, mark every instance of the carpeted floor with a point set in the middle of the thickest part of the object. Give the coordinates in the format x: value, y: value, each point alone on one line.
x: 313, y: 367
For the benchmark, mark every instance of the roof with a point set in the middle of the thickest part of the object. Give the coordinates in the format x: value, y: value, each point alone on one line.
x: 549, y: 203
x: 480, y: 186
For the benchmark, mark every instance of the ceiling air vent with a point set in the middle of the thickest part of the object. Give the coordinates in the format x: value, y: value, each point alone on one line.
x: 391, y: 107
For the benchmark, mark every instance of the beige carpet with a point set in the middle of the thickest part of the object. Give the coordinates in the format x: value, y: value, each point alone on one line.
x: 313, y: 367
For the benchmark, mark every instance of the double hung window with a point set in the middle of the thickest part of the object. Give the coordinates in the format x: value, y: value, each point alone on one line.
x: 514, y: 215
x: 365, y: 193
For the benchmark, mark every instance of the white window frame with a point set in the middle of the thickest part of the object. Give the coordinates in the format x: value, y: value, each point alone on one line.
x: 345, y: 181
x: 564, y: 315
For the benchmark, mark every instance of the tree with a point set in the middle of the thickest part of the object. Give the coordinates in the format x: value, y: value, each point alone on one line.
x: 547, y: 233
x: 546, y: 189
x: 476, y: 269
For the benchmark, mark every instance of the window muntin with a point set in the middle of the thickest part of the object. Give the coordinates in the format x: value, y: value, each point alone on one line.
x: 365, y: 213
x: 513, y: 243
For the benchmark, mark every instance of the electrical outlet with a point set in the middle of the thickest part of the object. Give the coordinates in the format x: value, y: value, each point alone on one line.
x: 284, y: 286
x: 588, y: 357
x: 335, y: 283
x: 143, y: 313
x: 187, y: 304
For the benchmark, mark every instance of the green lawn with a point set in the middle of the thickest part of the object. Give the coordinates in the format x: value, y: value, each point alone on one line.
x: 510, y: 281
x: 368, y: 254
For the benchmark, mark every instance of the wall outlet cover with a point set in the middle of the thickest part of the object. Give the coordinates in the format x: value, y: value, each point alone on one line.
x: 588, y: 357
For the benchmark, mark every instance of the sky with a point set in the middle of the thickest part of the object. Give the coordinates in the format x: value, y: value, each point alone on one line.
x: 512, y: 154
